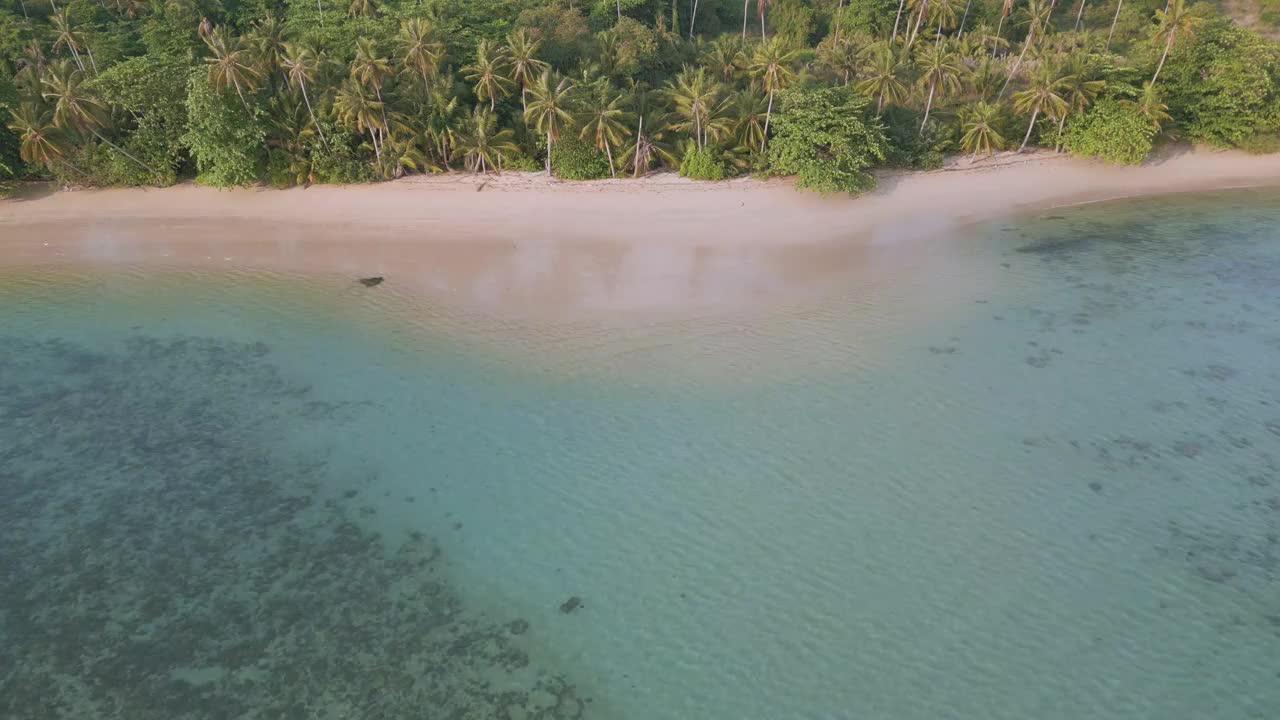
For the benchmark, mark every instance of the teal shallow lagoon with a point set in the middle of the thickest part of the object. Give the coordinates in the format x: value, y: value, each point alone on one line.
x: 1032, y: 471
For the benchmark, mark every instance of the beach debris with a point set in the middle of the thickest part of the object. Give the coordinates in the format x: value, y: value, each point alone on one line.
x: 571, y: 604
x: 372, y: 281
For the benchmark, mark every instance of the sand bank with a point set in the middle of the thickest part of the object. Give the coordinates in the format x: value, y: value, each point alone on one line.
x: 521, y: 240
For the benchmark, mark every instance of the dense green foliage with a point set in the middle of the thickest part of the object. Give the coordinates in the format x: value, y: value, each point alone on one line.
x: 827, y: 138
x: 1113, y: 130
x: 303, y: 91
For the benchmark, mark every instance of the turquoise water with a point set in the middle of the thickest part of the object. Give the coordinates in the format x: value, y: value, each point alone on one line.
x: 1028, y: 470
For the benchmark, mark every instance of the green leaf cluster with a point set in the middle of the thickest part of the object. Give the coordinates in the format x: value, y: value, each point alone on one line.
x: 827, y: 138
x: 1114, y: 130
x: 573, y: 159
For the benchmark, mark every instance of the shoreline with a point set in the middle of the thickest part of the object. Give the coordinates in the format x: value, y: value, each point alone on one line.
x: 665, y: 207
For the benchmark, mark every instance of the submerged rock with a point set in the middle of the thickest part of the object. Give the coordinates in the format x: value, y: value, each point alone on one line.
x: 571, y: 604
x: 372, y: 281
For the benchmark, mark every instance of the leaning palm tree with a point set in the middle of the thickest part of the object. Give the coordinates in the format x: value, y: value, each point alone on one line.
x: 981, y: 135
x: 369, y: 67
x: 1175, y: 19
x: 1038, y: 13
x: 748, y: 108
x: 762, y: 7
x: 697, y: 102
x: 362, y: 113
x: 40, y: 142
x: 1151, y: 104
x: 66, y: 36
x: 1114, y: 20
x: 74, y: 109
x: 482, y: 145
x: 232, y: 64
x: 362, y: 8
x: 551, y: 108
x: 486, y: 73
x: 1043, y: 96
x: 419, y: 50
x: 603, y: 120
x: 940, y: 69
x: 442, y: 116
x: 771, y: 65
x: 883, y: 70
x: 300, y: 64
x: 1080, y: 86
x: 521, y: 55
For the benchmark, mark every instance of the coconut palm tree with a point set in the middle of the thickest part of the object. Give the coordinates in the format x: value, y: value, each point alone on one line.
x: 940, y: 69
x: 1079, y: 15
x: 897, y: 20
x: 882, y: 72
x: 981, y: 135
x: 442, y: 118
x: 419, y: 50
x: 357, y: 110
x: 771, y: 65
x: 369, y: 67
x: 74, y: 109
x: 724, y: 57
x: 487, y: 75
x: 762, y: 8
x: 482, y: 145
x: 1175, y: 19
x: 748, y: 109
x: 66, y: 36
x: 1114, y: 20
x: 300, y: 64
x: 232, y: 64
x: 840, y: 56
x: 362, y: 8
x: 551, y: 110
x: 521, y: 54
x: 697, y: 101
x: 1080, y: 87
x: 1037, y: 21
x: 268, y: 40
x: 40, y: 142
x: 1043, y: 96
x: 603, y: 120
x: 1151, y: 104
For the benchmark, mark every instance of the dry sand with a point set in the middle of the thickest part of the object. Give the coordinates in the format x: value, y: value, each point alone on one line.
x: 521, y: 239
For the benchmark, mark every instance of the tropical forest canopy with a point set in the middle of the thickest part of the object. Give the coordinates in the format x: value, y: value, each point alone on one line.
x: 144, y: 92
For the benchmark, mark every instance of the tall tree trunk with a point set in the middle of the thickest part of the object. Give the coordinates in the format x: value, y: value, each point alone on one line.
x: 1079, y: 14
x: 839, y: 13
x: 549, y: 153
x: 24, y: 10
x: 320, y: 11
x: 896, y: 20
x: 619, y: 4
x: 768, y: 115
x: 760, y: 9
x: 1057, y: 142
x: 76, y: 56
x: 312, y: 113
x: 244, y: 102
x: 1025, y: 45
x: 919, y: 19
x: 635, y: 161
x: 1030, y: 127
x: 1168, y: 45
x: 933, y: 85
x: 123, y: 152
x: 1119, y: 4
x: 609, y: 154
x: 745, y: 3
x: 963, y: 19
x: 92, y: 63
x: 693, y: 18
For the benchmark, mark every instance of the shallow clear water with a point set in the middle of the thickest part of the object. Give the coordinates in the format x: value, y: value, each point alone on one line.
x: 1031, y: 470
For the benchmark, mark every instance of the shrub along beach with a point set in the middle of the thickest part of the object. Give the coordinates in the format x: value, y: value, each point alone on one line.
x: 126, y: 92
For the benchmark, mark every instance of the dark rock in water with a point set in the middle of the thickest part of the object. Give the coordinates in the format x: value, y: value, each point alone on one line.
x: 371, y: 281
x: 571, y: 604
x: 518, y: 627
x: 1095, y: 486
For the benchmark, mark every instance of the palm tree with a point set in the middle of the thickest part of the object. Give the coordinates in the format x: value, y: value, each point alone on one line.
x: 840, y: 55
x: 1079, y: 15
x: 1006, y: 9
x: 74, y: 108
x: 550, y: 108
x: 772, y: 66
x: 602, y: 120
x: 693, y: 18
x: 442, y: 119
x: 486, y: 73
x: 232, y: 64
x: 1080, y: 87
x: 897, y: 20
x: 419, y: 50
x: 1042, y: 96
x: 762, y: 7
x: 40, y: 142
x: 724, y: 57
x: 362, y: 8
x: 940, y: 68
x: 1037, y: 22
x: 980, y: 134
x: 481, y: 145
x: 369, y: 67
x: 65, y: 36
x: 697, y: 102
x: 300, y: 64
x: 1114, y: 20
x: 1173, y: 19
x: 521, y: 56
x: 883, y: 70
x: 748, y: 109
x: 1151, y: 105
x: 357, y: 110
x: 268, y: 40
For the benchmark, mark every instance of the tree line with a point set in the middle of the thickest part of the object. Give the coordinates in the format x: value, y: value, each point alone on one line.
x: 301, y: 91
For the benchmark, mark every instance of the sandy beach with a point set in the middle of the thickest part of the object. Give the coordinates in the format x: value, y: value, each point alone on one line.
x: 520, y: 240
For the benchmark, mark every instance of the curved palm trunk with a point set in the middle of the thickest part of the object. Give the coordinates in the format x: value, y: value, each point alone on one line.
x: 693, y: 18
x: 768, y: 115
x: 311, y: 112
x: 235, y: 81
x: 933, y: 85
x: 635, y: 161
x: 1025, y: 45
x: 619, y: 4
x: 24, y: 10
x: 1119, y: 4
x: 1168, y: 45
x: 1079, y: 14
x: 609, y: 153
x: 963, y: 19
x: 919, y: 19
x: 92, y: 63
x: 896, y: 20
x: 1030, y: 127
x: 123, y: 152
x: 75, y: 55
x: 745, y: 3
x: 549, y: 153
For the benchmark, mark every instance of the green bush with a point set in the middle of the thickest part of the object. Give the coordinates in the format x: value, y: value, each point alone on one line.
x: 826, y: 137
x: 702, y: 164
x: 908, y: 148
x: 573, y: 159
x: 1261, y: 144
x: 226, y: 142
x: 1114, y: 130
x: 339, y: 163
